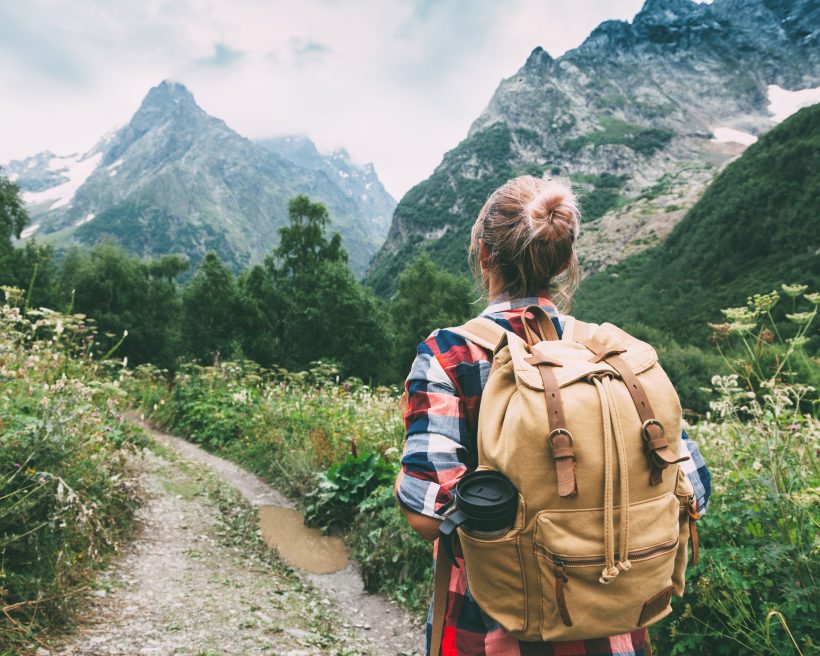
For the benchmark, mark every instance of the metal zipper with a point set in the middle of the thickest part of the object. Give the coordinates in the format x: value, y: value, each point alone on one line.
x: 635, y: 554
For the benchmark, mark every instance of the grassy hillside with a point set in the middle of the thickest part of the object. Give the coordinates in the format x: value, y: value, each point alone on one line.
x: 756, y: 226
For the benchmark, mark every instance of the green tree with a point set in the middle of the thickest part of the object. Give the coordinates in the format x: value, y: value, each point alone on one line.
x: 304, y: 304
x: 13, y: 215
x: 123, y: 293
x: 303, y: 244
x: 428, y: 297
x: 210, y: 302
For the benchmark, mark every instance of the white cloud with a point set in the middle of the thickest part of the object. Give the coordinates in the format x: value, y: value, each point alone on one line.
x: 395, y: 82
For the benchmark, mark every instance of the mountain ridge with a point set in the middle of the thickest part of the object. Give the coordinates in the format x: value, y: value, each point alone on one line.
x: 640, y: 117
x: 176, y: 179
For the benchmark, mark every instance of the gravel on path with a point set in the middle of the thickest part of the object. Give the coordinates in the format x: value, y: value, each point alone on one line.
x: 193, y: 584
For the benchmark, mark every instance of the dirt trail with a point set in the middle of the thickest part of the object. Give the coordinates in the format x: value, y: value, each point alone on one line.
x: 193, y: 584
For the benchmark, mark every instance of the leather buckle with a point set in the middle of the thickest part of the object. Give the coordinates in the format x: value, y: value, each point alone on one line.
x: 645, y: 428
x: 558, y: 431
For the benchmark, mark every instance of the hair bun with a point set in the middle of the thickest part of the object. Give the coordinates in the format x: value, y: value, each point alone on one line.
x: 552, y: 212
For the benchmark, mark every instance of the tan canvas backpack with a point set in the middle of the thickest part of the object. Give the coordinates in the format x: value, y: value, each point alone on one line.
x: 588, y: 430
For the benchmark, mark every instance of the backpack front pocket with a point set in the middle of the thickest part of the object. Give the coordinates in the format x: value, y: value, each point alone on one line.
x: 569, y: 549
x: 495, y: 574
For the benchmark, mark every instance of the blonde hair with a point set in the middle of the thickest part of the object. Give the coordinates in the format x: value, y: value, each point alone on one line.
x: 529, y: 227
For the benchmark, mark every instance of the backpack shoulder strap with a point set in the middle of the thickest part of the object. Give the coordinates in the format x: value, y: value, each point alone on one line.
x: 482, y: 331
x: 577, y: 331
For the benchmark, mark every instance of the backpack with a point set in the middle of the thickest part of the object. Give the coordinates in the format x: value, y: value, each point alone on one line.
x: 588, y: 430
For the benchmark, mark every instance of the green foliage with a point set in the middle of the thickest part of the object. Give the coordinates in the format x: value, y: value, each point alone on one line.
x: 66, y: 498
x: 13, y: 216
x: 303, y: 245
x: 599, y: 193
x: 642, y: 140
x: 756, y: 226
x: 393, y: 558
x: 754, y: 591
x: 127, y: 297
x: 154, y: 231
x: 305, y: 304
x: 343, y: 486
x: 210, y: 303
x: 416, y: 311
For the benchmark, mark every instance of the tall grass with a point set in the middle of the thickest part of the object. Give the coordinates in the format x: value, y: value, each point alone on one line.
x: 66, y: 496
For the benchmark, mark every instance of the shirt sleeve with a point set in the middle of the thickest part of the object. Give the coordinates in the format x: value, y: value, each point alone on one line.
x: 695, y: 469
x: 434, y: 457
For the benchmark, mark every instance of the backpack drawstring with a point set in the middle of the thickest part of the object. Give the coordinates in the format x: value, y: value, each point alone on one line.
x: 610, y: 571
x: 623, y: 466
x: 613, y: 431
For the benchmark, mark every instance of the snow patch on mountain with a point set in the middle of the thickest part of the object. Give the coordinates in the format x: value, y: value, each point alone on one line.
x: 76, y: 168
x: 88, y: 217
x: 783, y: 103
x: 725, y: 135
x: 28, y: 232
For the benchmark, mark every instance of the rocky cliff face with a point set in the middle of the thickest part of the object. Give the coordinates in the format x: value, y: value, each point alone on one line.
x: 175, y: 179
x: 639, y: 118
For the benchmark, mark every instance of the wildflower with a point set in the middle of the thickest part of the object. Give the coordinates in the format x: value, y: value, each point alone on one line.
x: 813, y: 298
x: 736, y: 314
x: 720, y: 329
x: 798, y: 342
x: 800, y: 318
x: 58, y: 329
x: 793, y: 291
x: 763, y: 302
x: 18, y: 465
x: 757, y: 466
x: 740, y: 328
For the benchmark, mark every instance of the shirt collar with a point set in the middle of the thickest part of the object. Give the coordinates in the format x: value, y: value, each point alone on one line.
x: 503, y: 303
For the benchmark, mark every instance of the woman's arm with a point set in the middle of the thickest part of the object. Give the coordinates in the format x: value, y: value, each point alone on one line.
x: 695, y: 469
x: 434, y: 457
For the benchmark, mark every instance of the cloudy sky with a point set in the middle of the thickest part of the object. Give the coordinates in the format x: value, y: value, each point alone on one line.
x: 396, y: 82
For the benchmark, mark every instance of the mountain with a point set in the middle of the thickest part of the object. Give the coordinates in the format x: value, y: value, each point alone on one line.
x: 756, y: 226
x: 640, y: 118
x: 358, y: 182
x: 175, y: 179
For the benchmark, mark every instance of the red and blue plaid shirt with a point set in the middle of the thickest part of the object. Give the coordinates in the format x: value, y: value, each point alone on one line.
x: 444, y: 393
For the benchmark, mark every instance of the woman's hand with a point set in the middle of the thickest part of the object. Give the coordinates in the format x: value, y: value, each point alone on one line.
x: 426, y: 527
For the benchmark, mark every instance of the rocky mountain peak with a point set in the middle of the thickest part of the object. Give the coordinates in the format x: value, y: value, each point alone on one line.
x: 665, y: 10
x: 168, y: 104
x: 167, y: 100
x: 538, y: 60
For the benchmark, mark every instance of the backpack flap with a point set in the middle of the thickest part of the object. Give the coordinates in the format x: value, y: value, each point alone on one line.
x: 574, y: 361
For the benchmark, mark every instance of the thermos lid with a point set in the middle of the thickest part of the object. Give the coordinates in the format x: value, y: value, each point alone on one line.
x: 487, y: 494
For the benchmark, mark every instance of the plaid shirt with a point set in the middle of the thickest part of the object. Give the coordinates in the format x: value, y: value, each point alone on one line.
x: 444, y: 389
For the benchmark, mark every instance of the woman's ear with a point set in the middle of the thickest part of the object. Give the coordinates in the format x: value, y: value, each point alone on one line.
x: 483, y: 253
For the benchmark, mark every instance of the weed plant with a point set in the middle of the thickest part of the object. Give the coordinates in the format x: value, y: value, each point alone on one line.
x: 66, y: 497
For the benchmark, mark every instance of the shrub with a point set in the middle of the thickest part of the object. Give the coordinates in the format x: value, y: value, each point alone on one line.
x: 339, y: 490
x: 66, y: 497
x: 754, y: 591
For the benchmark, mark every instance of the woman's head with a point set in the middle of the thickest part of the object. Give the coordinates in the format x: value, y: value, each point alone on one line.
x: 524, y: 238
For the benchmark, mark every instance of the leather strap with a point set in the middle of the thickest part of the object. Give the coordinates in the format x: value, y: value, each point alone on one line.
x: 546, y: 329
x: 694, y: 515
x: 482, y: 331
x: 560, y: 439
x: 658, y: 450
x: 441, y: 591
x: 560, y: 581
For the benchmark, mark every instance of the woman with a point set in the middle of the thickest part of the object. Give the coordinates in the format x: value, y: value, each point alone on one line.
x: 523, y: 251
